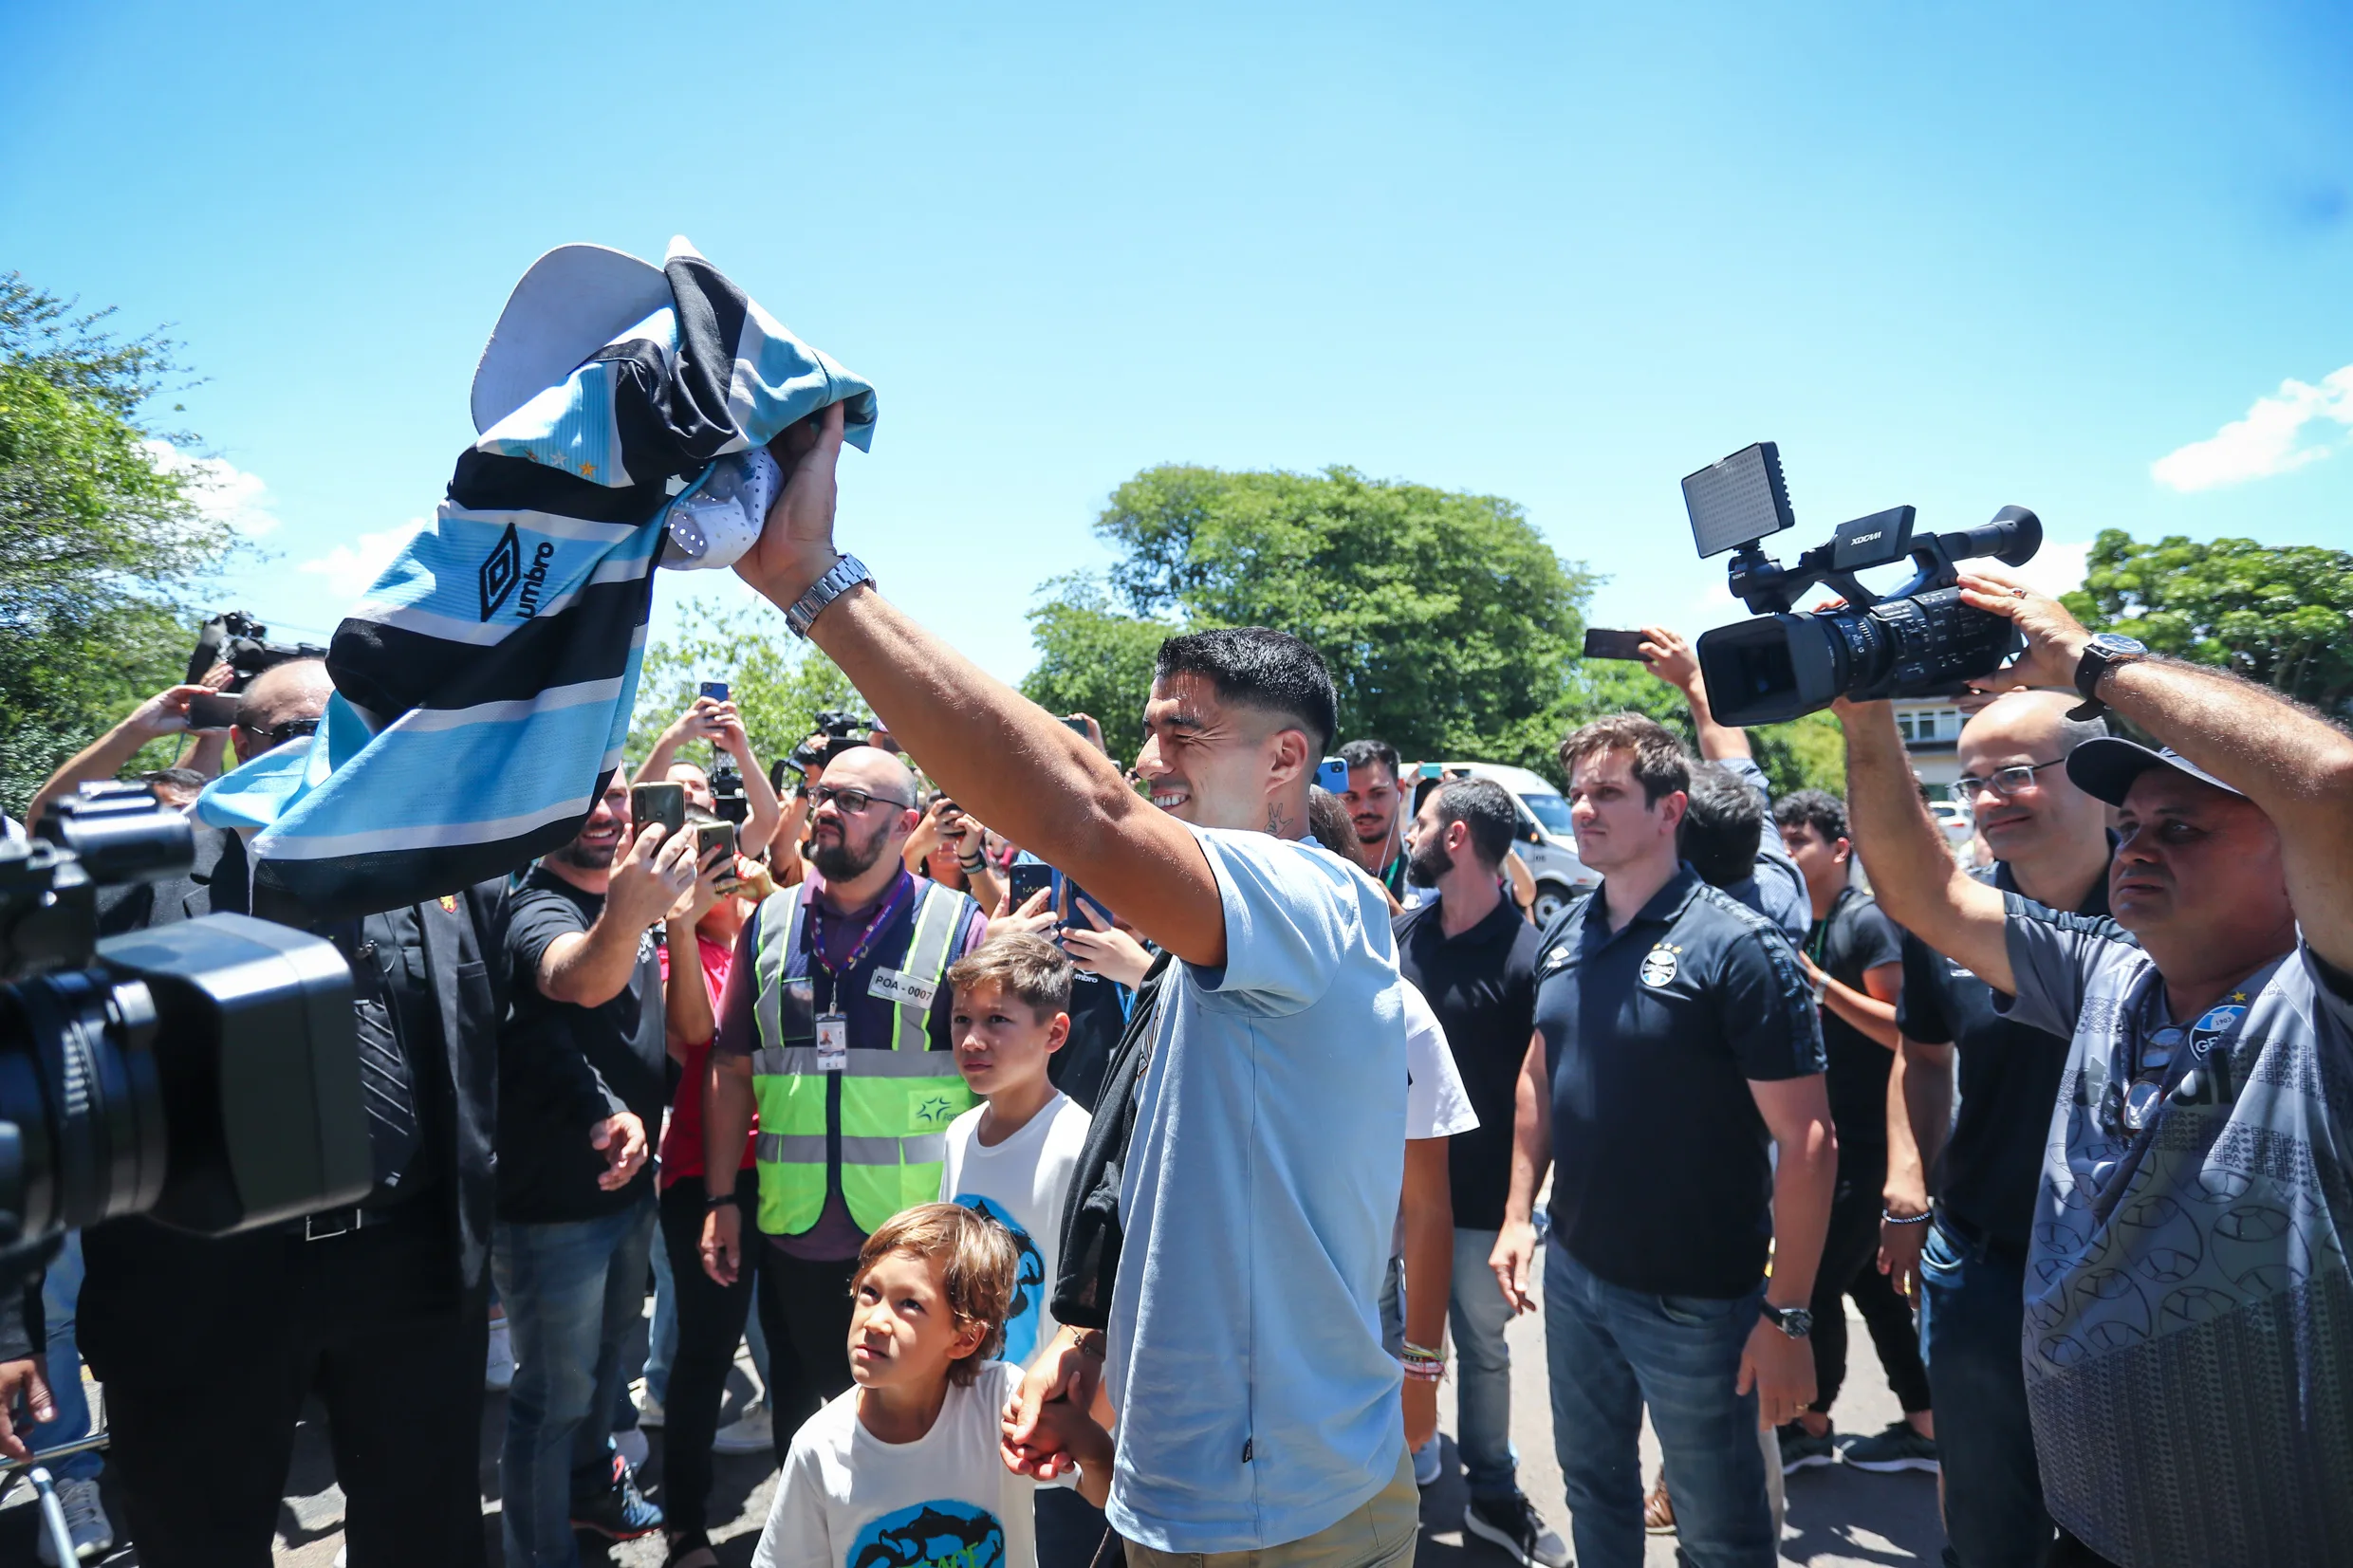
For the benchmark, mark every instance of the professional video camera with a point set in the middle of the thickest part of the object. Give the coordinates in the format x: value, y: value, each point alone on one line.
x: 244, y: 644
x: 1918, y: 641
x: 843, y: 725
x: 727, y: 793
x: 202, y: 1073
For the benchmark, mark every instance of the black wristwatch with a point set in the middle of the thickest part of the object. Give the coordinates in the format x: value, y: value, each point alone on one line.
x: 1794, y: 1321
x: 2103, y: 653
x: 724, y: 1200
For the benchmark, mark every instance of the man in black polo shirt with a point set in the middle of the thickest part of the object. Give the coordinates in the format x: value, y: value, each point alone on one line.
x: 1473, y: 955
x: 2050, y: 843
x: 1675, y: 1045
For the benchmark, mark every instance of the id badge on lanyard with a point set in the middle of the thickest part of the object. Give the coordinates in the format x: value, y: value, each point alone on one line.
x: 833, y: 1042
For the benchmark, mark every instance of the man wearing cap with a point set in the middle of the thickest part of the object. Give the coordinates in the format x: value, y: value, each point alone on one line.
x: 2189, y: 1304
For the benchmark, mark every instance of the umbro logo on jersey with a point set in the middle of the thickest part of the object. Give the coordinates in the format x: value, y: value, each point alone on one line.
x: 500, y: 571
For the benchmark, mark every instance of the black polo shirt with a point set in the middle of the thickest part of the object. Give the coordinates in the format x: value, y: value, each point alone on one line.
x: 1482, y: 985
x: 1993, y: 1163
x: 1854, y: 939
x: 1662, y: 1171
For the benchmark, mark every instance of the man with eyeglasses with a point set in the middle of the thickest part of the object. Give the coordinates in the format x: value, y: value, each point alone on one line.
x: 2188, y: 1298
x: 835, y: 1025
x: 1964, y: 1262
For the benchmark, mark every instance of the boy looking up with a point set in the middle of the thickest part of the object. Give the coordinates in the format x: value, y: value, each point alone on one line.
x: 1013, y: 1157
x: 906, y: 1460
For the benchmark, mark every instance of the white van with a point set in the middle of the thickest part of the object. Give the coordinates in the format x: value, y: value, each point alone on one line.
x: 1545, y: 842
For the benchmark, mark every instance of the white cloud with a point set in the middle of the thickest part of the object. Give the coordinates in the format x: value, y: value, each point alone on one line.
x: 2057, y: 567
x: 2270, y: 440
x: 351, y: 569
x: 220, y: 490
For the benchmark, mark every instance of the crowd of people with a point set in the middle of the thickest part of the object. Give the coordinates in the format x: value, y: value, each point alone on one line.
x: 1107, y: 1163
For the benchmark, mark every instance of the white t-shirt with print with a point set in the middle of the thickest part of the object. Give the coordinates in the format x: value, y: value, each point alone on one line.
x: 1435, y: 1106
x: 1021, y: 1184
x: 845, y: 1498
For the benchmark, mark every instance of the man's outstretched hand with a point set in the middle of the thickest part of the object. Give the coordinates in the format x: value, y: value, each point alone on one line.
x: 796, y: 544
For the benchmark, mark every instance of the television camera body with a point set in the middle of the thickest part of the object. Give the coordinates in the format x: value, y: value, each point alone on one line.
x: 1920, y: 640
x: 243, y: 643
x: 202, y: 1073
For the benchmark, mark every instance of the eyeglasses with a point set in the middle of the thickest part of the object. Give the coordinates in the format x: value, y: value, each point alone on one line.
x: 2147, y: 1088
x: 2006, y: 780
x: 278, y: 734
x: 851, y: 801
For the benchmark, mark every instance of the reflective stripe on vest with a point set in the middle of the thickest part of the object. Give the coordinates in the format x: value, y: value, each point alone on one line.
x: 895, y: 1103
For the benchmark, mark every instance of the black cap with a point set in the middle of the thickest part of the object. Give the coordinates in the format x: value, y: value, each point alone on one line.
x: 2106, y: 768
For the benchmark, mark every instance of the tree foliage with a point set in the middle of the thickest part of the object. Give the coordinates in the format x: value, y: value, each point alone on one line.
x: 779, y: 684
x: 101, y: 547
x: 1451, y: 626
x: 2278, y: 614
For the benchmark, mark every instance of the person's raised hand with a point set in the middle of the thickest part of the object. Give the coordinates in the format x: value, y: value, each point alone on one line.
x: 2055, y: 639
x: 723, y: 1242
x: 221, y: 678
x: 1105, y: 949
x: 1515, y: 1249
x: 1032, y: 919
x: 166, y: 712
x: 795, y: 547
x: 1094, y: 732
x: 651, y: 876
x: 1667, y: 654
x: 1782, y: 1371
x: 717, y: 866
x: 620, y: 1138
x: 25, y: 1399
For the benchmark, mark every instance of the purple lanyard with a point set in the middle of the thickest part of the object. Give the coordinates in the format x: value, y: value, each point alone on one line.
x: 816, y: 934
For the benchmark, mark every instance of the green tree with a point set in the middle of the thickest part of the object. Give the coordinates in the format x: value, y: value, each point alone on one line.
x: 1451, y: 626
x: 779, y: 684
x: 101, y: 547
x: 2278, y: 614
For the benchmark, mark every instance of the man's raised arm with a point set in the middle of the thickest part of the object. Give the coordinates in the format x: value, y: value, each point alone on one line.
x: 1001, y: 756
x: 1917, y: 883
x: 2290, y: 761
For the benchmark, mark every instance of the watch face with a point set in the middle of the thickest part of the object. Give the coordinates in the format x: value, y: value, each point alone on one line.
x: 2115, y: 642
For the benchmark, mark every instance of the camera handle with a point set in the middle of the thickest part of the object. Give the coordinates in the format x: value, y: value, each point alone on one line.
x: 1768, y: 588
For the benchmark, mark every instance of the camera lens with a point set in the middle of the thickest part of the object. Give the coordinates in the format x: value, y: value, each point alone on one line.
x: 82, y: 1091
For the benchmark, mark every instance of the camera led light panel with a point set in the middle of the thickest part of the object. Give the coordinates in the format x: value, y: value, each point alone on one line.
x: 1737, y: 500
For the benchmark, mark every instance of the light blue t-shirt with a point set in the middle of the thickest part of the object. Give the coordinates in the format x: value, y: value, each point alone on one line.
x: 1257, y: 1405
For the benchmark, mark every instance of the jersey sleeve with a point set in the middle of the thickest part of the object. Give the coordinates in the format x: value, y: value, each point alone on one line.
x: 2054, y: 956
x: 1436, y: 1105
x: 535, y: 919
x: 1876, y: 939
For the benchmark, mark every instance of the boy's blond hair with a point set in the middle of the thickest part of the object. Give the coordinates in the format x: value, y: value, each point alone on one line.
x: 977, y: 1263
x: 1019, y: 965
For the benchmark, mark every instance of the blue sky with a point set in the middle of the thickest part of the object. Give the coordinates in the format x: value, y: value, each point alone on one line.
x: 1954, y: 256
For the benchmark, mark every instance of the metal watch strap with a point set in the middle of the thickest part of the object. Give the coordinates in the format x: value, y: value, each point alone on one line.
x: 844, y: 575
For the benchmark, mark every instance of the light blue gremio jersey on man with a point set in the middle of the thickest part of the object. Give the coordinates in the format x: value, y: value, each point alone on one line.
x: 1257, y: 1405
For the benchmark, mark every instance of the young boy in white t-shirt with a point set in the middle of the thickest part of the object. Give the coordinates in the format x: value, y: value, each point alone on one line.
x: 1012, y: 1157
x: 903, y: 1471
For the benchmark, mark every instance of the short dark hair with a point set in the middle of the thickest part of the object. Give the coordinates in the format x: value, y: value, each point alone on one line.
x: 1487, y: 807
x: 1660, y: 765
x: 1259, y: 667
x: 1021, y: 965
x: 1365, y: 753
x: 1721, y: 827
x: 1815, y: 808
x: 1328, y: 822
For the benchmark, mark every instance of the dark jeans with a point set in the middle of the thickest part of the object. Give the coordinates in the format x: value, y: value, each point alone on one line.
x: 375, y: 1323
x: 711, y: 1321
x: 1071, y: 1531
x: 574, y: 1289
x: 805, y: 1307
x: 1850, y: 1251
x: 1611, y: 1351
x: 1972, y: 1313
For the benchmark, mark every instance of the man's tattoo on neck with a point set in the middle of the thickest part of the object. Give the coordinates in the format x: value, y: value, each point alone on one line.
x: 1277, y: 823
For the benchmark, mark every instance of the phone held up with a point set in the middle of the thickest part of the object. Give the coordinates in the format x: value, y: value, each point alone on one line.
x: 212, y: 711
x: 1028, y: 880
x: 1601, y: 643
x: 715, y: 689
x: 1332, y: 775
x: 657, y: 803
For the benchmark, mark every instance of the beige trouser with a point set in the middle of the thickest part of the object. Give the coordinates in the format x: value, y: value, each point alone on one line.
x: 1379, y: 1535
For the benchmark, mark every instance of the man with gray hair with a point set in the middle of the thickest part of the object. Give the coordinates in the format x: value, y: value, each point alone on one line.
x: 1473, y: 955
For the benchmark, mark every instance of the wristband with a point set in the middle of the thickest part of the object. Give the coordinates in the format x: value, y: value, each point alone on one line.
x: 725, y: 1200
x: 1906, y: 1219
x: 1422, y: 1364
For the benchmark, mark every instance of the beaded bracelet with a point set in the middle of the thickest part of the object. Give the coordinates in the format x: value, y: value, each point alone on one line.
x: 1905, y: 1219
x: 1422, y: 1364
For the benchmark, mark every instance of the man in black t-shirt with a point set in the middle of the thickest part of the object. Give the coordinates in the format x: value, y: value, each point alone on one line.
x: 1853, y: 958
x: 2050, y: 843
x: 583, y: 1079
x: 1475, y: 958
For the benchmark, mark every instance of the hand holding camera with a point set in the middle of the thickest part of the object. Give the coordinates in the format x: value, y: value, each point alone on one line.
x: 2054, y: 638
